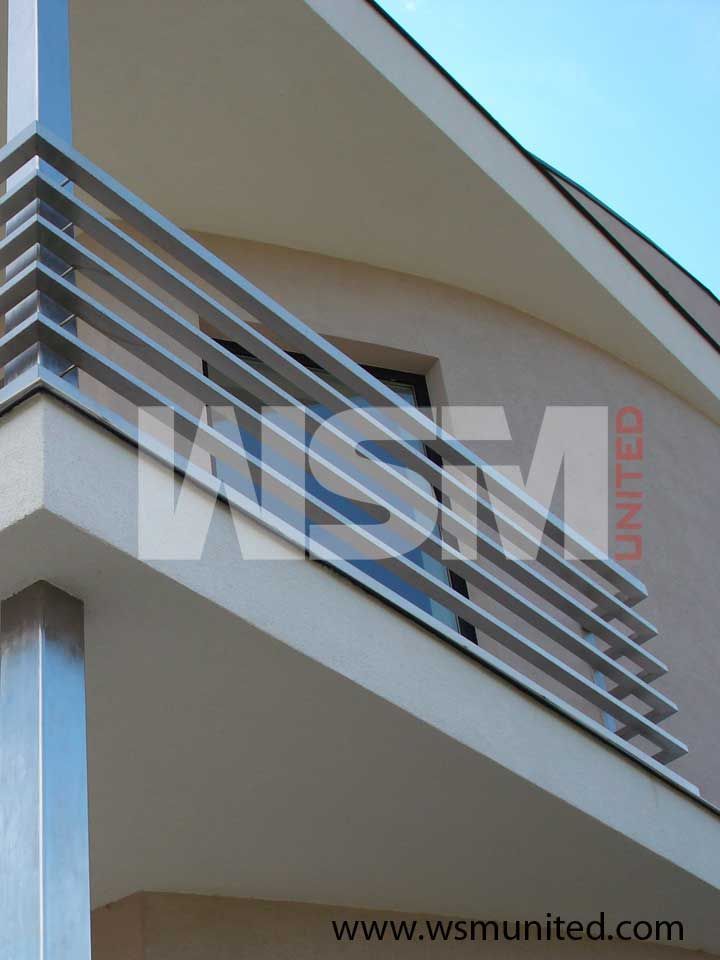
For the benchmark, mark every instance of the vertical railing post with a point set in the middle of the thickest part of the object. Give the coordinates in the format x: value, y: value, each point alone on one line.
x: 44, y: 860
x: 38, y: 91
x: 39, y: 66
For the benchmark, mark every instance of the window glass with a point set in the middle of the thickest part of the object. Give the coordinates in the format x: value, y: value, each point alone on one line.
x: 294, y: 467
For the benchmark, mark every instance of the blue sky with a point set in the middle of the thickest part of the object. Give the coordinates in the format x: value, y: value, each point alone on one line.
x: 621, y: 95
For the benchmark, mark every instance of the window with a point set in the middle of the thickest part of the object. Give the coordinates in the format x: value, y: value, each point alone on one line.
x: 411, y: 389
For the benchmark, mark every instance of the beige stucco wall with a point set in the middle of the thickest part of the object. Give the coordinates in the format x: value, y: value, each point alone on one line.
x: 173, y: 927
x: 474, y: 350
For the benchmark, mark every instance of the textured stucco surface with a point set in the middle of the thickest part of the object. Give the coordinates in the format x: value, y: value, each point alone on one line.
x: 170, y: 927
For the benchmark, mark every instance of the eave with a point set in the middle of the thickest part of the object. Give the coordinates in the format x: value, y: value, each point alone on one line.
x: 314, y: 125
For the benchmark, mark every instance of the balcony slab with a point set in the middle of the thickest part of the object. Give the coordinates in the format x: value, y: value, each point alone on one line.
x: 266, y: 729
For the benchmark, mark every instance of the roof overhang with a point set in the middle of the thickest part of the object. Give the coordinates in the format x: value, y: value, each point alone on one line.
x: 314, y: 124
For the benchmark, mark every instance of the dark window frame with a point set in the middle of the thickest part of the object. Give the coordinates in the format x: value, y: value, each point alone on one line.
x: 388, y: 375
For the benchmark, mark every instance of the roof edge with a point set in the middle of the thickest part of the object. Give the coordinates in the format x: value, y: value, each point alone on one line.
x: 550, y: 174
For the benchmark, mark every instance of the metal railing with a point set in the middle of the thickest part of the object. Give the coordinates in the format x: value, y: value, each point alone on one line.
x: 563, y: 616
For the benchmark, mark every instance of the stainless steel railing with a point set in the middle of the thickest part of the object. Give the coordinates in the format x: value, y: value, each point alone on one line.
x: 568, y: 619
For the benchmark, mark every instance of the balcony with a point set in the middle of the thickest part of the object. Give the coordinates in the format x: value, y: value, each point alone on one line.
x: 87, y: 288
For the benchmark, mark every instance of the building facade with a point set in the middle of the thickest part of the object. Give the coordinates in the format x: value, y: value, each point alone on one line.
x: 357, y: 513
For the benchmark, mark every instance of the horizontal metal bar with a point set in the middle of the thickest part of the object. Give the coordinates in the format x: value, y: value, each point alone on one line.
x: 15, y: 244
x: 15, y: 290
x: 16, y: 199
x: 137, y: 256
x: 215, y: 444
x: 195, y: 257
x: 18, y: 151
x: 19, y: 339
x: 185, y: 376
x: 136, y: 298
